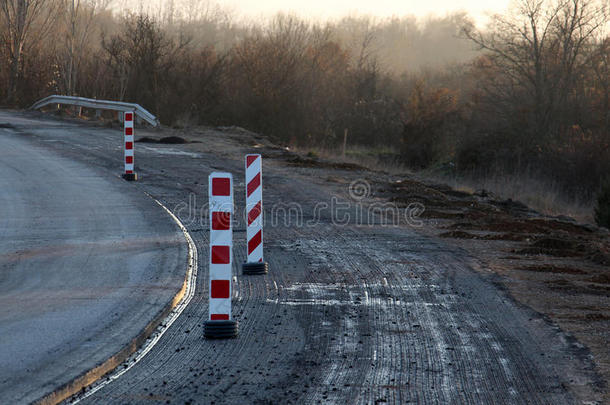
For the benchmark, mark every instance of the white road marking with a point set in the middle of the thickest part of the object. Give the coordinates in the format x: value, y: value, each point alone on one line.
x: 191, y: 282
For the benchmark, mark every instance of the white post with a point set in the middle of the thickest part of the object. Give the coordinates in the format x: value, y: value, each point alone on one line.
x: 220, y: 322
x: 254, y: 216
x: 129, y: 147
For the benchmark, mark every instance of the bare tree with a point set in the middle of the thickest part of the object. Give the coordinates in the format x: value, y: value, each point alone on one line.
x: 26, y: 22
x: 142, y: 57
x: 601, y: 67
x: 79, y: 20
x: 536, y: 53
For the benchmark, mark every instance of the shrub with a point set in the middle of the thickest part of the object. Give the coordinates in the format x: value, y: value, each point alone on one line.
x: 602, y: 210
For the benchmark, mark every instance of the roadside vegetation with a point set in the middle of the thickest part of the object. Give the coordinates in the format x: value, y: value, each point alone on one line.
x: 520, y: 107
x: 602, y: 209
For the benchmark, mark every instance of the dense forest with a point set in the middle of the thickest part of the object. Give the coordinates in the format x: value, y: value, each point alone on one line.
x: 527, y: 97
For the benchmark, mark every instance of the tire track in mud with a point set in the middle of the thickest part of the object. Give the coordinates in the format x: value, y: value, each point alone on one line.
x: 447, y: 356
x: 167, y: 368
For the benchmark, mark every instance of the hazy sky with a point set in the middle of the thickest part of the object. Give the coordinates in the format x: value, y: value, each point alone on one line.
x: 330, y: 9
x: 383, y: 8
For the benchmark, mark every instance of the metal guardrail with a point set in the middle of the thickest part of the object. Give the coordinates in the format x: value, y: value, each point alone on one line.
x: 99, y: 105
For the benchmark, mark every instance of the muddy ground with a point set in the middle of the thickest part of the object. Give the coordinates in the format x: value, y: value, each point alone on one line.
x: 554, y: 265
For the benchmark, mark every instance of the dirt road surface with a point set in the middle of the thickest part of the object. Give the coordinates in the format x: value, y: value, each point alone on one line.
x: 353, y: 311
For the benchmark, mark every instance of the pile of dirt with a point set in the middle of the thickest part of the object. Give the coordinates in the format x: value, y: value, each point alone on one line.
x: 552, y: 246
x: 459, y: 235
x: 300, y: 161
x: 567, y: 245
x: 147, y: 139
x: 601, y: 278
x: 600, y: 257
x: 513, y: 207
x: 405, y: 188
x: 505, y: 220
x: 406, y: 199
x: 440, y: 201
x: 513, y: 237
x: 448, y: 191
x: 557, y: 225
x: 553, y: 269
x: 176, y: 140
x: 599, y: 252
x: 572, y: 288
x: 555, y: 243
x: 506, y: 223
x: 170, y: 140
x: 468, y: 214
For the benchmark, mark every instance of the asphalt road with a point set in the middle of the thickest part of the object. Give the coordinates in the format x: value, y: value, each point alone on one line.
x: 85, y: 263
x: 349, y: 314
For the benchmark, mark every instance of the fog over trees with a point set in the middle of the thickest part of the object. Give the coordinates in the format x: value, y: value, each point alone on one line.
x: 527, y: 94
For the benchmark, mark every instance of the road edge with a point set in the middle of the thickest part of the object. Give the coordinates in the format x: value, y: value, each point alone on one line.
x: 166, y: 317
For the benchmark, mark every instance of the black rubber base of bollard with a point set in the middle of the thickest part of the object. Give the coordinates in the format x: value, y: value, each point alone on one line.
x: 225, y: 329
x: 130, y: 176
x: 251, y: 269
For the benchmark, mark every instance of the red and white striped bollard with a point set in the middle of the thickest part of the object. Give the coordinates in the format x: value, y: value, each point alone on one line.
x: 220, y: 323
x: 254, y: 216
x: 128, y: 119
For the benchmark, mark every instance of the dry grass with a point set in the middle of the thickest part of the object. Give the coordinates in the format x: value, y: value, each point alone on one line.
x: 369, y: 158
x: 538, y: 195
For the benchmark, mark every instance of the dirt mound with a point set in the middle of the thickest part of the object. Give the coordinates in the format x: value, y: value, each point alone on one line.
x: 596, y: 317
x: 531, y: 226
x: 303, y: 162
x: 555, y: 225
x: 573, y: 288
x: 173, y: 140
x: 600, y: 254
x: 513, y: 237
x: 553, y: 269
x: 535, y: 251
x: 170, y: 140
x: 409, y: 187
x: 560, y: 247
x: 591, y: 316
x: 600, y: 258
x: 501, y: 225
x: 346, y: 166
x: 428, y: 213
x: 448, y: 191
x: 316, y: 163
x: 601, y: 278
x: 146, y: 139
x: 554, y: 243
x: 406, y: 199
x: 512, y: 206
x: 459, y: 235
